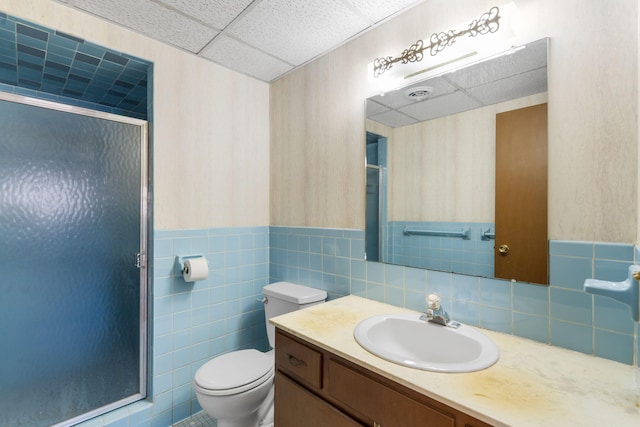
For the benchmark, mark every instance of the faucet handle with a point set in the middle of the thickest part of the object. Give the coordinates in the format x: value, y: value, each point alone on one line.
x: 433, y: 301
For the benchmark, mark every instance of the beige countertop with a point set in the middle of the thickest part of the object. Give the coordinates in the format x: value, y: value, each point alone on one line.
x: 532, y: 384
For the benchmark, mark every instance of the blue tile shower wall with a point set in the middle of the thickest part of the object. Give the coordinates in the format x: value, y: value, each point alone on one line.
x: 471, y: 255
x: 48, y: 64
x: 560, y: 314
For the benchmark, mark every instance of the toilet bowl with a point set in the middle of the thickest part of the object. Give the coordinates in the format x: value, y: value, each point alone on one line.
x: 236, y: 388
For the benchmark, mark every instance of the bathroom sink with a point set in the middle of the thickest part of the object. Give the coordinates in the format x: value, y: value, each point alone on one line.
x: 407, y: 340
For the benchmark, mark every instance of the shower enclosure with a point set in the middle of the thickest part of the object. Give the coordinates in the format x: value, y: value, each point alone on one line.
x: 375, y: 236
x: 372, y: 214
x: 73, y: 244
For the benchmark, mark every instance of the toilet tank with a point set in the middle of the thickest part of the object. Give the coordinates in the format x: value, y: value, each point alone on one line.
x: 285, y: 297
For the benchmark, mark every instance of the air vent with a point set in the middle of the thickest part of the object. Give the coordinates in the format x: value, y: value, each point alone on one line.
x: 418, y: 93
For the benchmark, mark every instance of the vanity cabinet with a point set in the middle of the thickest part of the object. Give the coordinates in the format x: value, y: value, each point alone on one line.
x: 300, y: 407
x: 314, y: 387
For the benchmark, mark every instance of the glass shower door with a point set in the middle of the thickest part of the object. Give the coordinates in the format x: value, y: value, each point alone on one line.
x: 72, y: 299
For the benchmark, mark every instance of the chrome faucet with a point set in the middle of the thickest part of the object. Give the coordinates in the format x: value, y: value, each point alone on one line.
x: 436, y: 314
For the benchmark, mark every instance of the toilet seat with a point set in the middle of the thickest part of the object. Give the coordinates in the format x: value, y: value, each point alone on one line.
x: 235, y: 372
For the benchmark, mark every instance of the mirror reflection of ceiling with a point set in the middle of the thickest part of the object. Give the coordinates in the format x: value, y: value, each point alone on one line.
x: 515, y: 75
x: 261, y: 38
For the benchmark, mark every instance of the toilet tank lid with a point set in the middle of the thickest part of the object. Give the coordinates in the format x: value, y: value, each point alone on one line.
x: 294, y: 293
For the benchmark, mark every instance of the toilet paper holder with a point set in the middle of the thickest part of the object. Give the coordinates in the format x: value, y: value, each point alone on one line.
x: 180, y: 259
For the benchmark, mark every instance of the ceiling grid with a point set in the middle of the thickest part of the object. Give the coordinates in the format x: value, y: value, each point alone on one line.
x: 264, y: 39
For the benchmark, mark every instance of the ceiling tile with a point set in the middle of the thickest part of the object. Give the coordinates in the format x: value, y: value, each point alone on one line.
x: 245, y: 59
x: 374, y: 108
x: 153, y: 20
x: 297, y: 31
x: 452, y: 103
x: 533, y: 57
x: 218, y: 13
x: 274, y: 34
x: 513, y: 87
x: 377, y: 10
x: 394, y: 119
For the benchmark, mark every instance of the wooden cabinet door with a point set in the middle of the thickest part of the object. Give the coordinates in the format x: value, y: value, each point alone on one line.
x: 383, y: 405
x: 521, y: 248
x: 296, y: 407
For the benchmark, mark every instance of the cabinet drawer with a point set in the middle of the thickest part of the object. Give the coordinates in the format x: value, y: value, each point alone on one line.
x: 383, y: 405
x: 298, y: 360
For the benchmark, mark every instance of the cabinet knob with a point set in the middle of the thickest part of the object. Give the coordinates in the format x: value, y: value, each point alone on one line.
x: 503, y: 249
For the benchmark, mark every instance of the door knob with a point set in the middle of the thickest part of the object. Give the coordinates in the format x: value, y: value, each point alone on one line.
x: 503, y: 249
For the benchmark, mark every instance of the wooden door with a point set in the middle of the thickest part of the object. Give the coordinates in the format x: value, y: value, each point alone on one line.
x: 521, y: 248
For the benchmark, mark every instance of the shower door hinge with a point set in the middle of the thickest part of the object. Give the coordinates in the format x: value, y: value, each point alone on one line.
x: 141, y: 260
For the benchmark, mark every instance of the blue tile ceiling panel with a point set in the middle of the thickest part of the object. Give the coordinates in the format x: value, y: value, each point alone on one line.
x: 45, y: 60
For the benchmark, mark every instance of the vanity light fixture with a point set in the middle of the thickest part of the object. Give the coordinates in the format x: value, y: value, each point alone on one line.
x: 487, y: 23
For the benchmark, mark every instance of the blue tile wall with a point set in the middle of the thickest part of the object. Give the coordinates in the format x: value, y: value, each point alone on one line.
x: 193, y: 322
x: 473, y: 255
x: 48, y: 64
x: 322, y: 258
x: 560, y: 314
x: 582, y: 322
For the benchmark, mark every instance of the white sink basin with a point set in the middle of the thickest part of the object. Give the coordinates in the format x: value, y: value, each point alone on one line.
x: 407, y: 340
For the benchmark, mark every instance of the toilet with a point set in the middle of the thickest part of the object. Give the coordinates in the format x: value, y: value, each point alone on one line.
x: 236, y: 388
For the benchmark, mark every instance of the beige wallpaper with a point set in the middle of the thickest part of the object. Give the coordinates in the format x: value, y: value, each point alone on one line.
x: 212, y: 139
x: 451, y: 161
x: 317, y: 125
x: 210, y: 130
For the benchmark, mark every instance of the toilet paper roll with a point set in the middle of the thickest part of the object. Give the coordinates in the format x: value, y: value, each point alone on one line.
x: 195, y: 269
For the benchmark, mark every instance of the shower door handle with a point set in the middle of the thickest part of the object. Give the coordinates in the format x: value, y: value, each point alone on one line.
x: 140, y: 260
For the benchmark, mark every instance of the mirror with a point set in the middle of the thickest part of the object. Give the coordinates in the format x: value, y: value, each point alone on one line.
x: 431, y: 166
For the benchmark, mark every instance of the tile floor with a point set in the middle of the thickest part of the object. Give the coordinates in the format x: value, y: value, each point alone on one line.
x: 198, y: 420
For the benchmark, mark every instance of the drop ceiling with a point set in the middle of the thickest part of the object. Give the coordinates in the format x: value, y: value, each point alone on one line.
x: 264, y: 39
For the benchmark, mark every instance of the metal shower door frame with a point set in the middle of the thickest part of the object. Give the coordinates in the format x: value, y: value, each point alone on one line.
x: 141, y: 260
